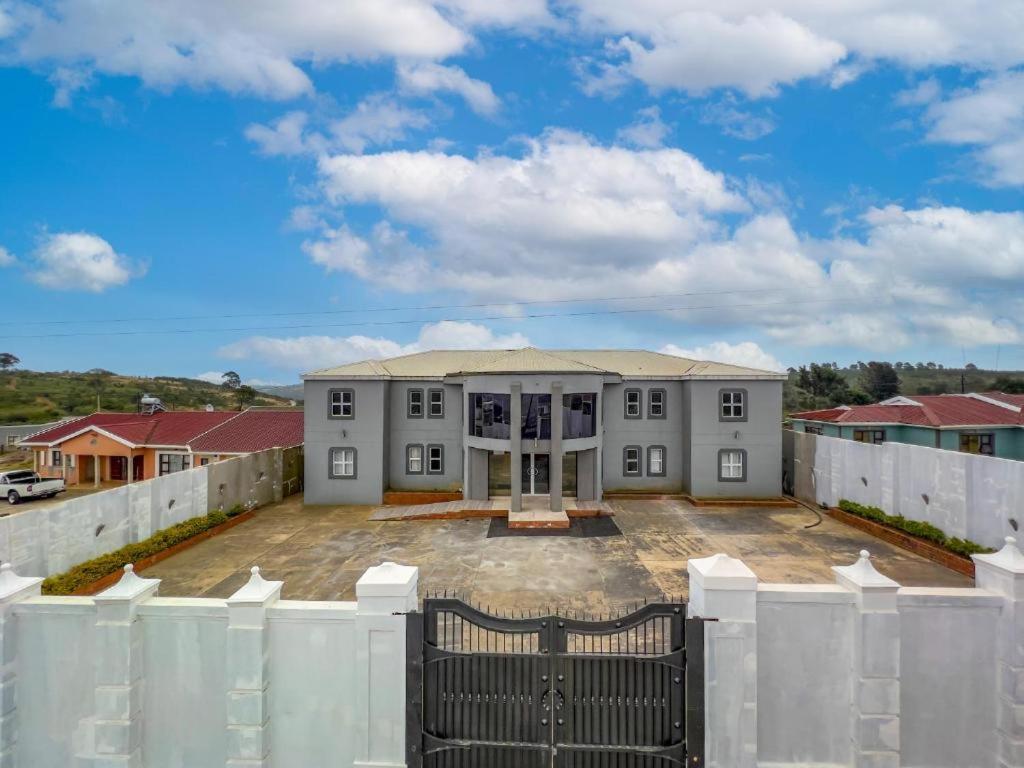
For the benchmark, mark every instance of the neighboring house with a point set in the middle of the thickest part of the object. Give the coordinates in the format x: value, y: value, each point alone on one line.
x: 990, y: 423
x: 12, y: 434
x: 579, y: 423
x: 127, y: 447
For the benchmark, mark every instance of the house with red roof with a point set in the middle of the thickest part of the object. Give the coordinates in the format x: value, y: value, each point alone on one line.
x: 120, y: 448
x: 987, y: 423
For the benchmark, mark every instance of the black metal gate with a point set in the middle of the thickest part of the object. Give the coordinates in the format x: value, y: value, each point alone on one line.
x: 490, y: 691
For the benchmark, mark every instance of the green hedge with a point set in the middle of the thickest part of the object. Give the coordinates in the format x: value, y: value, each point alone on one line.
x: 926, y: 531
x: 92, y: 570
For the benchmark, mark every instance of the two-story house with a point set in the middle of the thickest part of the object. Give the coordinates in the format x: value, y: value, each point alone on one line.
x: 549, y: 423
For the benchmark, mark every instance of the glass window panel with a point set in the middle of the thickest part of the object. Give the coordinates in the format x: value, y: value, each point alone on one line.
x: 489, y: 415
x: 579, y: 416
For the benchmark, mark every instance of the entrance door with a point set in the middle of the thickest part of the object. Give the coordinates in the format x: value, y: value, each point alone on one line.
x: 536, y: 474
x: 118, y: 468
x: 138, y: 467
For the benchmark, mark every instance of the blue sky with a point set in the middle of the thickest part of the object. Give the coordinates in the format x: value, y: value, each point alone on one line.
x: 208, y: 186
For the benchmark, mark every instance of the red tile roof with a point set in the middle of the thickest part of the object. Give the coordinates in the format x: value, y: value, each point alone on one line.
x: 251, y: 431
x: 169, y: 428
x: 932, y: 411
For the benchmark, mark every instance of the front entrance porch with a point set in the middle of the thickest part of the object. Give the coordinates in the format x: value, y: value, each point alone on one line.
x: 535, y: 512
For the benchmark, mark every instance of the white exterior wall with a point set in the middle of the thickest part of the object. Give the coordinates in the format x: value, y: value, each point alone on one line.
x: 972, y: 497
x: 54, y: 538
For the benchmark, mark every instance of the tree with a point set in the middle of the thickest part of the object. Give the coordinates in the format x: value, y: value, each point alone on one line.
x: 231, y: 380
x: 97, y: 379
x: 970, y: 367
x: 821, y: 386
x: 246, y: 395
x: 1009, y: 385
x: 880, y: 381
x: 8, y: 361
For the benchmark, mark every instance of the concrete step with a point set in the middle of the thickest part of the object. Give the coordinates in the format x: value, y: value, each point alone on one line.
x: 538, y: 518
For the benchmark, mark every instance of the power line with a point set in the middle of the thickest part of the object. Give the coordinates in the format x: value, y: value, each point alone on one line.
x: 423, y: 308
x: 418, y: 321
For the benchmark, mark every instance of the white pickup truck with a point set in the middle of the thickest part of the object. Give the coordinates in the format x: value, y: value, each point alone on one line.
x: 25, y: 484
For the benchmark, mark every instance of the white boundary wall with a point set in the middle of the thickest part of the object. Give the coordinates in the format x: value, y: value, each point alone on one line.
x: 972, y: 497
x: 52, y: 539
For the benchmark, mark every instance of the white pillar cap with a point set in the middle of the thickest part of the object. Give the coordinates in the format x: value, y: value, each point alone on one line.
x: 721, y: 572
x: 387, y: 580
x: 12, y: 585
x: 257, y: 590
x: 1009, y: 558
x: 863, y: 577
x: 130, y: 587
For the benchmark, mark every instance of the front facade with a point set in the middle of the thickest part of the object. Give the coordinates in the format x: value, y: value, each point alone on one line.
x: 988, y: 424
x: 554, y: 424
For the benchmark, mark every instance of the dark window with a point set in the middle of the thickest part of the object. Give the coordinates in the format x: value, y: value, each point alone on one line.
x: 342, y: 464
x: 656, y: 461
x: 732, y: 405
x: 579, y: 415
x: 631, y: 460
x: 342, y: 403
x: 983, y: 444
x: 732, y: 465
x: 174, y: 462
x: 536, y: 417
x: 633, y: 407
x: 490, y: 415
x: 656, y: 404
x: 873, y: 436
x: 811, y: 430
x: 435, y: 459
x: 415, y: 404
x: 414, y: 459
x: 54, y: 458
x: 204, y: 462
x: 436, y: 404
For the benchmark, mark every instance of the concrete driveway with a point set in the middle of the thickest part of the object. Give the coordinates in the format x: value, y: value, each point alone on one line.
x: 320, y: 552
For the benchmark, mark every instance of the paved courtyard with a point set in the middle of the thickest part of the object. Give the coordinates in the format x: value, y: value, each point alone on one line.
x: 320, y: 552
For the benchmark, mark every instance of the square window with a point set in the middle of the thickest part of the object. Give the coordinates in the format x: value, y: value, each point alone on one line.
x: 436, y: 404
x: 415, y: 409
x: 656, y: 461
x: 634, y: 400
x: 631, y: 460
x: 871, y: 436
x: 414, y: 459
x: 343, y: 463
x: 342, y: 403
x: 732, y: 405
x: 435, y: 460
x: 656, y: 404
x: 732, y: 465
x: 981, y: 444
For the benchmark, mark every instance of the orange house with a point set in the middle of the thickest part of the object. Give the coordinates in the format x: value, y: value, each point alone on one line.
x: 118, y: 448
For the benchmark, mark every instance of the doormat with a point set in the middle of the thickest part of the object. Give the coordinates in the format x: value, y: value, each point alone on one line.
x: 579, y: 528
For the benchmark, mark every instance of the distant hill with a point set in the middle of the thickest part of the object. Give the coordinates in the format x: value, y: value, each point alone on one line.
x: 287, y: 391
x: 32, y: 397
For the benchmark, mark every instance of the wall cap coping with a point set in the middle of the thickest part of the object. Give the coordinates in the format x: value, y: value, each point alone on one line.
x: 1009, y: 558
x: 130, y: 587
x: 12, y: 585
x: 256, y: 591
x: 822, y: 594
x: 721, y: 572
x: 951, y: 597
x: 387, y: 580
x: 862, y: 576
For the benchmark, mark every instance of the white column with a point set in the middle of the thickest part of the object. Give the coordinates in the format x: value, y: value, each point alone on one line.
x: 13, y: 588
x: 515, y: 444
x: 385, y: 593
x: 119, y: 673
x: 1003, y: 573
x: 248, y: 659
x: 876, y: 664
x: 555, y: 458
x: 725, y: 589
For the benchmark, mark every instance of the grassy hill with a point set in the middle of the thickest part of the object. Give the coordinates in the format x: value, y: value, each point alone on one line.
x: 31, y: 397
x: 287, y: 391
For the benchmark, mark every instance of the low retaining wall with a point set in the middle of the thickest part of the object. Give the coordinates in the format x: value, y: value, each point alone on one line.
x: 970, y: 497
x: 859, y: 672
x: 52, y: 539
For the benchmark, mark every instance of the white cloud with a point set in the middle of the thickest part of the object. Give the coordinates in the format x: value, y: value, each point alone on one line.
x: 80, y: 261
x: 306, y: 353
x: 648, y: 131
x: 925, y: 92
x: 736, y: 122
x: 66, y: 82
x: 211, y: 377
x: 376, y: 120
x: 6, y: 257
x: 285, y: 136
x: 745, y: 353
x: 425, y: 78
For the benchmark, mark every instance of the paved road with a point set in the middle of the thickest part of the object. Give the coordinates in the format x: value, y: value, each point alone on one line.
x: 320, y: 552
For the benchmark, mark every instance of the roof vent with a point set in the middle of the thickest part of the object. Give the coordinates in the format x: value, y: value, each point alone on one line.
x: 209, y: 408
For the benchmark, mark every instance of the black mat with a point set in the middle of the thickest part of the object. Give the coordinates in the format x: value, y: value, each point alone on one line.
x: 579, y: 528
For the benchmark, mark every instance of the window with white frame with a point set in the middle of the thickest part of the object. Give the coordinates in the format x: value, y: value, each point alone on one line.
x: 415, y: 404
x: 733, y: 405
x: 343, y: 463
x: 656, y: 461
x: 656, y: 404
x: 631, y: 460
x: 169, y: 463
x: 732, y: 465
x: 342, y: 403
x: 55, y: 458
x: 435, y: 459
x: 634, y: 404
x: 414, y: 459
x: 435, y: 404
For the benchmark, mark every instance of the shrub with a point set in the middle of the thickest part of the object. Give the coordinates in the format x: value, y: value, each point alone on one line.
x: 917, y: 528
x: 236, y: 510
x: 92, y: 570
